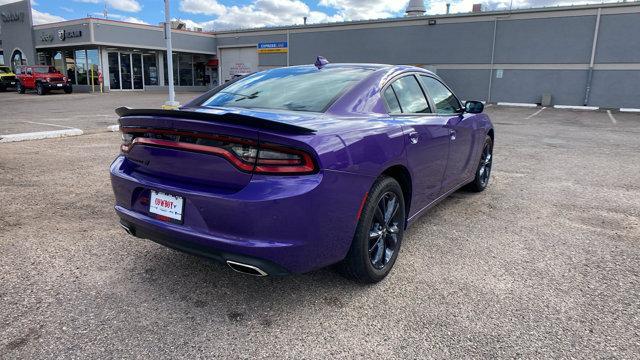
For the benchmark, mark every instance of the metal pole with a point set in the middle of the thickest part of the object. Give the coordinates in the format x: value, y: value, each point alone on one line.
x: 288, y: 48
x: 172, y: 103
x: 493, y: 53
x: 587, y: 91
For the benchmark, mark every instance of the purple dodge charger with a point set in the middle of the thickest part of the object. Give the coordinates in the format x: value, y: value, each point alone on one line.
x: 294, y: 169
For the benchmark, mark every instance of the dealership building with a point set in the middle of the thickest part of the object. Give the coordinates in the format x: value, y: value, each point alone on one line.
x: 577, y: 55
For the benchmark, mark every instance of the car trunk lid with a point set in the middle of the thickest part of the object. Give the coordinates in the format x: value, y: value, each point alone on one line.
x: 215, y: 148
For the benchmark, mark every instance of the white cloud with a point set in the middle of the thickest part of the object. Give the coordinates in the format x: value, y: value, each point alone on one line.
x: 45, y: 18
x: 207, y: 7
x: 125, y: 5
x: 122, y: 5
x: 366, y: 9
x: 259, y: 13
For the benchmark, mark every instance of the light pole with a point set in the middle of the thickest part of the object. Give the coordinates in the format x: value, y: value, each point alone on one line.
x: 172, y: 103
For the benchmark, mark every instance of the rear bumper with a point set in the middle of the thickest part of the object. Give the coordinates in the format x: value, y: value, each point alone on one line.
x: 56, y: 86
x: 283, y: 224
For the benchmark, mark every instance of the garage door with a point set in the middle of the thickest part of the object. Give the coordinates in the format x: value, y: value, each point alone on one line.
x: 237, y: 61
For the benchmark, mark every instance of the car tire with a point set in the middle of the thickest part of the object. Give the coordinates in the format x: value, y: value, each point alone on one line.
x: 20, y: 89
x: 68, y: 90
x: 40, y: 89
x: 483, y: 172
x: 3, y: 89
x: 378, y: 236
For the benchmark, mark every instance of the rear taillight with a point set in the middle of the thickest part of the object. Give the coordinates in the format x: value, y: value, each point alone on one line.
x: 247, y: 155
x: 282, y: 160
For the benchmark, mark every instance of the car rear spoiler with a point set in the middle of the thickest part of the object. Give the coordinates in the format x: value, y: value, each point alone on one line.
x: 228, y: 118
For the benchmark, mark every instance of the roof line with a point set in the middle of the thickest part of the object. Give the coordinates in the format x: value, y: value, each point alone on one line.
x: 369, y: 21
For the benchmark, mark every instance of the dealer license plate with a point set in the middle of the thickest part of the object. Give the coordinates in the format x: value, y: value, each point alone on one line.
x: 59, y: 85
x: 167, y: 205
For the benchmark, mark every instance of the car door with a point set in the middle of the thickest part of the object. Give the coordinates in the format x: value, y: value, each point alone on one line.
x: 28, y: 79
x: 461, y: 125
x: 426, y: 138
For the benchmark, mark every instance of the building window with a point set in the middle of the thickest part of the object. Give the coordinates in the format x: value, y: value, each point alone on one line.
x: 1, y: 58
x: 70, y: 65
x: 81, y: 67
x: 58, y: 62
x: 199, y: 70
x: 17, y: 59
x: 93, y: 62
x: 114, y: 71
x: 150, y: 70
x: 186, y: 69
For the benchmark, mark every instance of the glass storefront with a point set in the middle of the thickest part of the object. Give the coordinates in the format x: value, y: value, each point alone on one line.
x: 188, y: 70
x: 127, y: 69
x: 114, y: 71
x: 132, y: 70
x: 81, y: 67
x: 150, y: 69
x: 93, y: 70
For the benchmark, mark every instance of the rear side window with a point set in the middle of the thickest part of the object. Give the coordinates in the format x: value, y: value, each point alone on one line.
x: 410, y: 96
x: 392, y: 101
x: 444, y: 100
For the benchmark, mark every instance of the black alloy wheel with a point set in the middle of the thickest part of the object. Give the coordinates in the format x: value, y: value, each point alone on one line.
x: 383, y: 235
x: 379, y: 233
x: 20, y: 88
x: 483, y: 173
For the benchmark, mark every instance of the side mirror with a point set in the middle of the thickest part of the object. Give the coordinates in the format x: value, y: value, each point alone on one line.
x: 473, y: 107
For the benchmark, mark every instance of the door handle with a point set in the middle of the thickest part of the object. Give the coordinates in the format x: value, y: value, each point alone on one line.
x: 452, y: 134
x: 414, y: 137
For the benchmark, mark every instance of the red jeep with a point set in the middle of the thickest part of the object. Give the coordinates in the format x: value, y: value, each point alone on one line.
x: 42, y: 78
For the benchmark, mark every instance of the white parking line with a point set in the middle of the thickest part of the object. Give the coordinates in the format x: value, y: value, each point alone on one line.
x: 535, y: 113
x: 576, y: 107
x: 54, y: 125
x: 113, y: 128
x: 613, y: 120
x: 517, y: 104
x: 39, y: 135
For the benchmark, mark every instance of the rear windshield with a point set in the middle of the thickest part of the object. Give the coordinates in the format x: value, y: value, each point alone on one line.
x: 296, y: 88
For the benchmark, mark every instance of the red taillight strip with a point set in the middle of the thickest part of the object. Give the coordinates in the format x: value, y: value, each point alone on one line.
x: 274, y: 166
x: 193, y: 147
x: 223, y: 138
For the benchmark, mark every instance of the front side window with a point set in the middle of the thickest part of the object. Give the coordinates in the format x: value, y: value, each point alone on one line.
x: 445, y: 101
x: 410, y: 96
x: 302, y: 88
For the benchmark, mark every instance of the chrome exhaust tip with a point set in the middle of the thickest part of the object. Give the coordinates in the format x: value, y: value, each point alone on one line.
x: 126, y: 228
x: 246, y: 269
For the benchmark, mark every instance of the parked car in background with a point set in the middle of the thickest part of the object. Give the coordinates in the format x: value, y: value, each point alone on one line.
x: 7, y: 78
x: 293, y: 169
x: 42, y: 79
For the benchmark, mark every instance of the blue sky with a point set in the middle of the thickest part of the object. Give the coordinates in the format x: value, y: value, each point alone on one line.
x: 233, y: 14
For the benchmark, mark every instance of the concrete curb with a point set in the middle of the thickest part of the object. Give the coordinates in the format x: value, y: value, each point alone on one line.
x: 114, y: 128
x: 574, y: 107
x: 529, y: 105
x: 40, y: 135
x: 629, y: 110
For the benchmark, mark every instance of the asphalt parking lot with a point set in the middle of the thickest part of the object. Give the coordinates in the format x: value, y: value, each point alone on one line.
x: 57, y: 110
x: 545, y: 263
